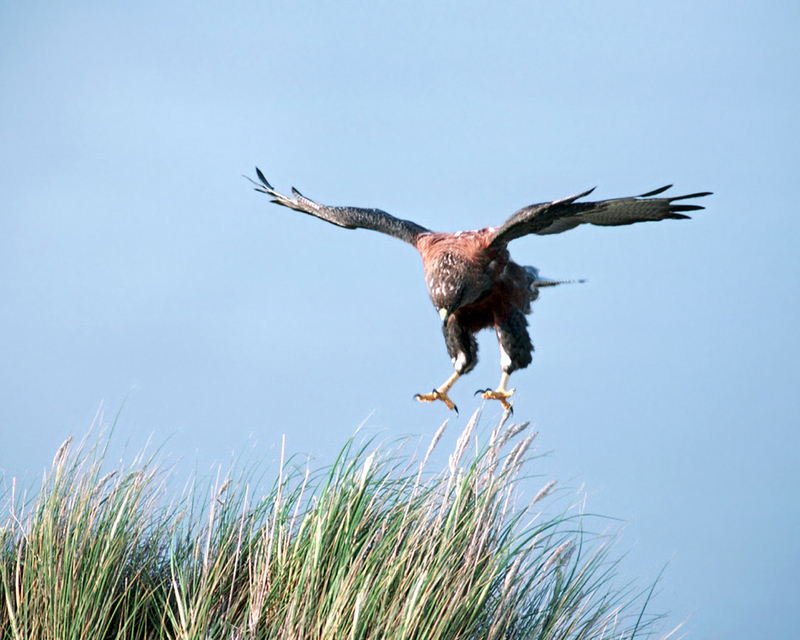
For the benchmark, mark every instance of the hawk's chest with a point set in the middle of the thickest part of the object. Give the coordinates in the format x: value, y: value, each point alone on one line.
x: 454, y: 262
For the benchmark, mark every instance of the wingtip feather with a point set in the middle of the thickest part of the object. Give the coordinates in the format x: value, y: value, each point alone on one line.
x: 655, y: 192
x: 701, y: 194
x: 572, y: 199
x: 685, y: 207
x: 263, y: 179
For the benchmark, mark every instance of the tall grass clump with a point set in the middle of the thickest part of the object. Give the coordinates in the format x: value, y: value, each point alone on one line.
x: 375, y: 546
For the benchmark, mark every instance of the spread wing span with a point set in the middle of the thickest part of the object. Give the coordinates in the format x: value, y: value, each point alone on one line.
x: 562, y: 215
x: 347, y: 217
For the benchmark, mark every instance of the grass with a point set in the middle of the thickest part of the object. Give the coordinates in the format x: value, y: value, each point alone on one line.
x: 376, y: 546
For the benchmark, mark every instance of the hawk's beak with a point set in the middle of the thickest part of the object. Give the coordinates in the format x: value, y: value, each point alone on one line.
x: 443, y: 314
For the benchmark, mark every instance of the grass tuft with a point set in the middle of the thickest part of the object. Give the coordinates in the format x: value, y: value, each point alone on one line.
x: 375, y: 546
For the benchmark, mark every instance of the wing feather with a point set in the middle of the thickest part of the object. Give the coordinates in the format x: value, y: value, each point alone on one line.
x: 562, y: 215
x: 346, y: 217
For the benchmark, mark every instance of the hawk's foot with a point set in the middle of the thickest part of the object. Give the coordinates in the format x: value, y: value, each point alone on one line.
x: 441, y: 393
x: 498, y: 394
x: 437, y: 394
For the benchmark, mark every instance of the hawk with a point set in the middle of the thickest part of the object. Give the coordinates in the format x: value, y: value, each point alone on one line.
x: 472, y: 281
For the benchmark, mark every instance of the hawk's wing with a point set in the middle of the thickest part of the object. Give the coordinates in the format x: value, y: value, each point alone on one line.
x: 347, y: 217
x: 562, y: 215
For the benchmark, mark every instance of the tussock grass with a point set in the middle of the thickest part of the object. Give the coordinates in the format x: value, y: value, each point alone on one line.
x: 376, y: 546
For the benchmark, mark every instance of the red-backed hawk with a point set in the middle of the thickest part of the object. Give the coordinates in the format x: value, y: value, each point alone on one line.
x: 472, y: 281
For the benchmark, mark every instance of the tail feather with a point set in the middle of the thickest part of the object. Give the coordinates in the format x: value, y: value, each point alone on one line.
x: 535, y: 280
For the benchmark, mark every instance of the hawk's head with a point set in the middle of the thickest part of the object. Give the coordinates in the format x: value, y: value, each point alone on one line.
x: 453, y: 282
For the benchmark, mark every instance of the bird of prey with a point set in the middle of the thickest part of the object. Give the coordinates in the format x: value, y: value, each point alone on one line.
x: 472, y: 281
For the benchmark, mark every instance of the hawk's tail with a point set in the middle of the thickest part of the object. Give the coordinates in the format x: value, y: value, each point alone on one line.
x: 535, y: 280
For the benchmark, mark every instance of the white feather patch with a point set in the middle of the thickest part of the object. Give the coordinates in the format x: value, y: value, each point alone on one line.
x: 505, y: 359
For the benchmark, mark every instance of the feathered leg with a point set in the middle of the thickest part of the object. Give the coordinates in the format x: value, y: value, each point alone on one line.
x: 463, y: 350
x: 515, y: 353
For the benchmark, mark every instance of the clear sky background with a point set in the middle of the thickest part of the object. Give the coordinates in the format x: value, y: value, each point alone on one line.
x: 138, y: 269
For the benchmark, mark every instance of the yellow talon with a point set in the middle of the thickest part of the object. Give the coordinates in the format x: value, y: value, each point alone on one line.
x: 500, y: 393
x: 434, y: 395
x: 441, y: 394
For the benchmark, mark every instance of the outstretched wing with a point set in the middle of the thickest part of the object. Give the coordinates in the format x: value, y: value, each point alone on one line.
x: 562, y: 215
x: 347, y: 217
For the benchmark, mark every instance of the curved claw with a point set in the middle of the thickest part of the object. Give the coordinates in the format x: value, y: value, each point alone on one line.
x: 437, y: 394
x: 481, y: 391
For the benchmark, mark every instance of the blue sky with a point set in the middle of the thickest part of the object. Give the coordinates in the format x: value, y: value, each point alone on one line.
x: 138, y: 268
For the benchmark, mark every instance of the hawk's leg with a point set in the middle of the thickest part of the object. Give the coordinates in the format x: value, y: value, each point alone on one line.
x: 463, y: 349
x: 515, y: 353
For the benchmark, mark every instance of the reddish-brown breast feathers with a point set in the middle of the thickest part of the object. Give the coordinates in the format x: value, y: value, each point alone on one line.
x: 467, y: 277
x: 471, y: 246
